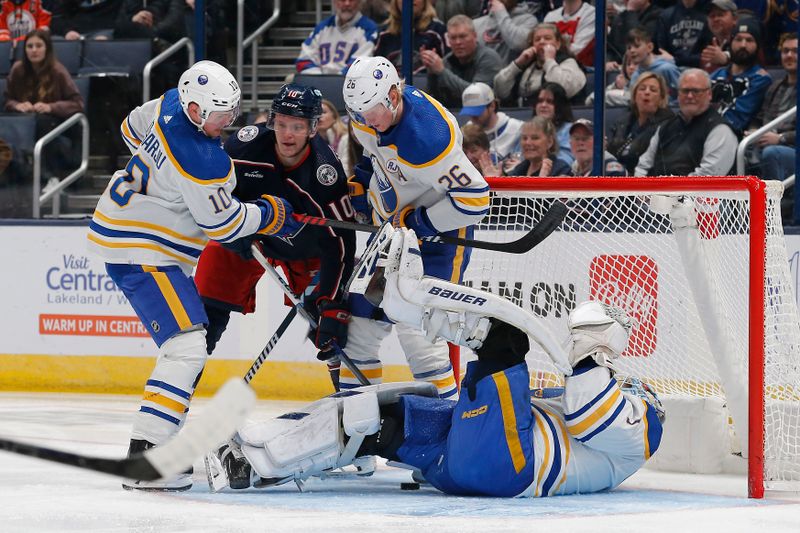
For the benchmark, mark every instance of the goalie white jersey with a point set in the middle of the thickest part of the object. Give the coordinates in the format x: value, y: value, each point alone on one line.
x: 420, y: 163
x: 173, y: 195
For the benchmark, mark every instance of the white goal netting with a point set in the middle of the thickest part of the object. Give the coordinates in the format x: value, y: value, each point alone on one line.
x: 679, y: 263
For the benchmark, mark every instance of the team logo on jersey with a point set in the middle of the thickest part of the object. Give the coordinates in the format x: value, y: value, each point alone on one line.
x: 392, y: 166
x: 326, y: 175
x: 202, y: 79
x: 248, y: 133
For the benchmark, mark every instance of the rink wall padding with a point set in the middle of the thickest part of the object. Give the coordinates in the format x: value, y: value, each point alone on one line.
x: 127, y: 375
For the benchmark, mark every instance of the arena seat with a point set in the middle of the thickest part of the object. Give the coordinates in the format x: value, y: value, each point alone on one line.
x: 329, y: 84
x: 68, y: 54
x: 5, y: 58
x: 19, y: 130
x: 83, y: 87
x: 2, y: 94
x: 119, y: 57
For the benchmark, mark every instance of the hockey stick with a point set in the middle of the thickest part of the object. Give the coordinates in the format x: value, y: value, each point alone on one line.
x: 218, y: 421
x: 549, y: 222
x: 270, y: 270
x: 270, y: 345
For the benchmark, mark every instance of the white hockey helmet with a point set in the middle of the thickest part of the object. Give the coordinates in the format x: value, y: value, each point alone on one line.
x: 213, y: 88
x: 367, y: 84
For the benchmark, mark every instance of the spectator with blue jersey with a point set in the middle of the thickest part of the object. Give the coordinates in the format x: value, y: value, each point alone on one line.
x: 738, y: 90
x: 338, y: 40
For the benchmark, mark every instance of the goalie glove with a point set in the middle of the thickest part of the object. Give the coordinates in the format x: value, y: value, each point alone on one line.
x: 599, y: 331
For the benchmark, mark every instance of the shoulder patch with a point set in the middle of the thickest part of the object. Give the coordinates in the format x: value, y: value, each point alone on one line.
x: 247, y: 134
x: 326, y: 174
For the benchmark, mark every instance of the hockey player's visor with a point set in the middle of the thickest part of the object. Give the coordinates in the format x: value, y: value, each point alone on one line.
x: 222, y: 119
x: 362, y: 116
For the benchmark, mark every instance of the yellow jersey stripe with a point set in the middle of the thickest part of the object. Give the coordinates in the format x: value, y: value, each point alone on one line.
x: 475, y: 201
x: 646, y: 440
x: 163, y: 401
x: 449, y: 381
x: 369, y: 373
x: 178, y: 166
x: 447, y: 150
x: 509, y: 421
x: 541, y: 476
x: 599, y: 412
x: 128, y: 135
x: 565, y: 437
x: 147, y: 246
x: 174, y: 303
x: 458, y: 260
x: 227, y: 229
x: 147, y: 225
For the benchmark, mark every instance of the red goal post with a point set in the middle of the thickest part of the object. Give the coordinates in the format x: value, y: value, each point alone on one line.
x: 698, y: 262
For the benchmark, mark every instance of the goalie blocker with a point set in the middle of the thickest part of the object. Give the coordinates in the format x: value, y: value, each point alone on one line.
x: 499, y: 439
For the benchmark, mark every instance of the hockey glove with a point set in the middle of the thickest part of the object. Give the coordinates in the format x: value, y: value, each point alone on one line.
x: 240, y: 247
x: 332, y: 327
x: 276, y: 217
x: 359, y: 200
x: 415, y: 219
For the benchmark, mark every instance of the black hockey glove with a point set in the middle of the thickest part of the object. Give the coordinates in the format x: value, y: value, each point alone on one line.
x: 240, y: 246
x: 331, y: 327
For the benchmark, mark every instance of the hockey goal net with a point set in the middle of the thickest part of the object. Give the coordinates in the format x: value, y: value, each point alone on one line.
x: 700, y: 265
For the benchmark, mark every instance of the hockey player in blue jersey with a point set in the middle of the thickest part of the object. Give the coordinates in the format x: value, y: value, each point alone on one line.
x: 154, y: 219
x: 500, y: 438
x: 415, y: 174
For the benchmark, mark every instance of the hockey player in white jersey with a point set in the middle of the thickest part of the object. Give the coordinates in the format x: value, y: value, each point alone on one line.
x: 415, y: 174
x: 500, y: 438
x: 154, y: 219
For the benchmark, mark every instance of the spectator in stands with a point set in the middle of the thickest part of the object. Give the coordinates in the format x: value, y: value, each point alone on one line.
x: 78, y: 19
x: 480, y: 104
x: 739, y: 89
x: 377, y: 10
x: 539, y: 150
x: 695, y: 142
x: 507, y: 27
x: 476, y: 146
x: 333, y: 129
x: 160, y: 20
x: 640, y: 49
x: 679, y: 31
x: 20, y: 17
x: 468, y: 62
x: 581, y: 140
x: 638, y: 14
x: 631, y: 134
x: 722, y: 20
x: 338, y: 40
x: 429, y: 35
x: 551, y: 102
x: 447, y: 9
x: 547, y: 59
x: 40, y: 85
x: 575, y: 21
x: 618, y: 92
x: 778, y: 145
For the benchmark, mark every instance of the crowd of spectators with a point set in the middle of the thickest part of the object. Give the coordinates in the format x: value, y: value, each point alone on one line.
x: 481, y: 57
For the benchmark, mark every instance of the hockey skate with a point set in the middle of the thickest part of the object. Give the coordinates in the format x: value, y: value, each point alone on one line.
x: 178, y: 483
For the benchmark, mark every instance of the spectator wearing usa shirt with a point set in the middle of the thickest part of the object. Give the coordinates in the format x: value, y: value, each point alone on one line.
x: 338, y: 40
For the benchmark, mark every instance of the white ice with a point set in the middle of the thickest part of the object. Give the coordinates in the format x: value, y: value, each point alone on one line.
x: 38, y: 496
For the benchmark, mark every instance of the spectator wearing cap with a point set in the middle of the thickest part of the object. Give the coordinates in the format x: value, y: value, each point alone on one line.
x: 468, y: 62
x: 697, y: 141
x: 547, y: 59
x: 722, y: 20
x: 506, y: 28
x: 739, y: 89
x: 581, y: 140
x: 680, y: 28
x: 640, y: 49
x: 778, y: 145
x: 480, y: 104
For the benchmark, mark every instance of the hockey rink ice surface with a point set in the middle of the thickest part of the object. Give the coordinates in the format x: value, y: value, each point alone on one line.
x: 42, y: 496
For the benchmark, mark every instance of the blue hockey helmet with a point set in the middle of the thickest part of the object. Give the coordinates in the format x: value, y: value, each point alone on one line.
x: 299, y: 101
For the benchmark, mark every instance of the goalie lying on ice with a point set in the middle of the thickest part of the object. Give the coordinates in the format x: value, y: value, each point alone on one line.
x: 500, y: 438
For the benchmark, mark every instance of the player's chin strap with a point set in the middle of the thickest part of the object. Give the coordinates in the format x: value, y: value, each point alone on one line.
x: 442, y: 309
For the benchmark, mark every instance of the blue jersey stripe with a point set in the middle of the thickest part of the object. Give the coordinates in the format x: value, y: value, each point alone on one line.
x: 607, y: 422
x: 227, y: 220
x: 430, y: 373
x: 169, y: 388
x: 117, y: 234
x: 579, y: 412
x: 556, y: 468
x: 159, y: 414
